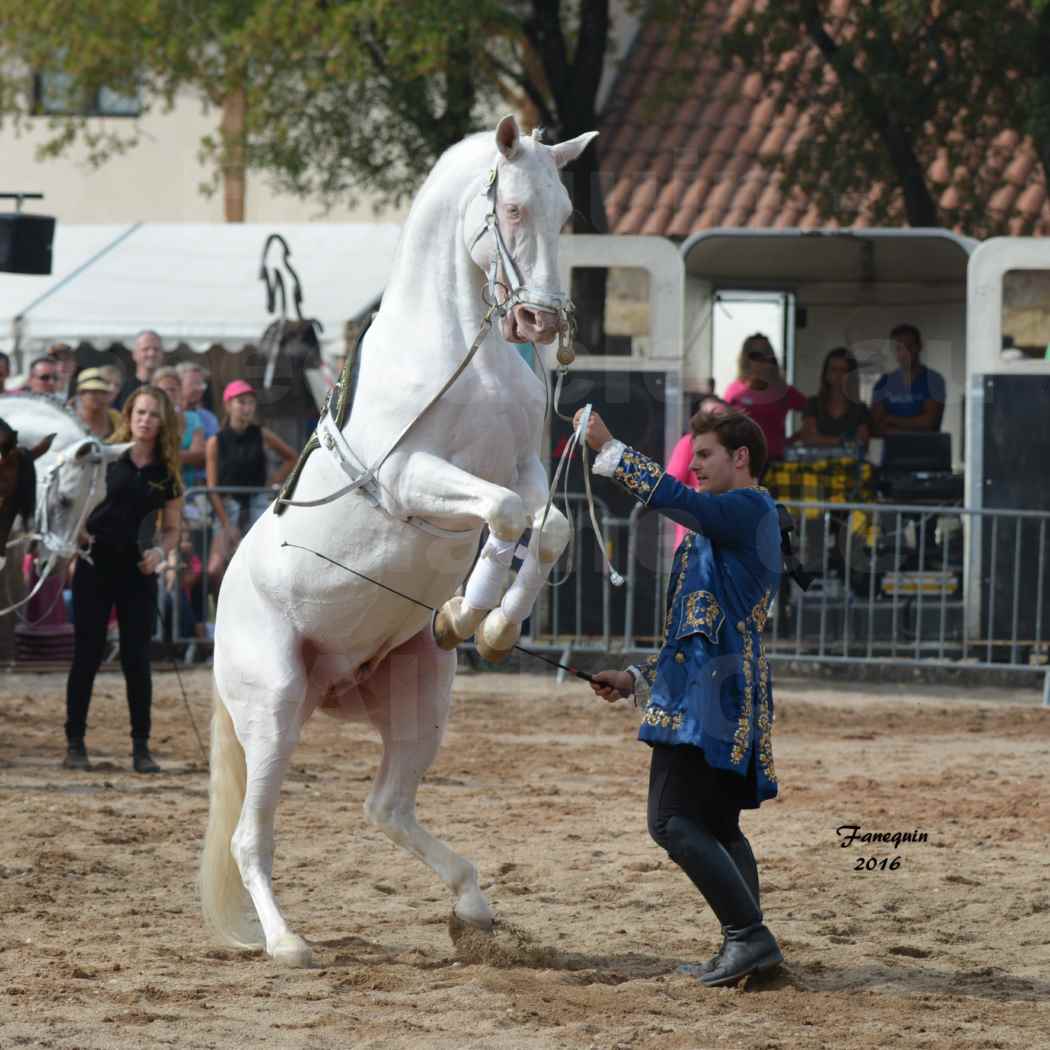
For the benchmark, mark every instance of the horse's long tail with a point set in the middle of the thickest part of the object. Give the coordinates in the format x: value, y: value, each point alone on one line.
x: 226, y: 907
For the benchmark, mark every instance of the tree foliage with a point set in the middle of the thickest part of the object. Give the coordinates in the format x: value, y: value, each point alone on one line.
x: 908, y: 94
x: 334, y: 96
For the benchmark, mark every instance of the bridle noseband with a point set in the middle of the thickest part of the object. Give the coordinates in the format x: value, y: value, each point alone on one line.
x: 520, y: 294
x: 66, y: 546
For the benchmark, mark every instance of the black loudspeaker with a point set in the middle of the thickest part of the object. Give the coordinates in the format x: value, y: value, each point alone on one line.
x: 25, y: 243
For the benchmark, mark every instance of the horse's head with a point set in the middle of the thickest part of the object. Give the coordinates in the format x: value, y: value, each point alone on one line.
x: 512, y: 228
x: 71, y: 488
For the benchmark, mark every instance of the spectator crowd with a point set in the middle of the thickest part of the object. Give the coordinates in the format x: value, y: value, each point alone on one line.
x: 909, y: 399
x: 158, y: 544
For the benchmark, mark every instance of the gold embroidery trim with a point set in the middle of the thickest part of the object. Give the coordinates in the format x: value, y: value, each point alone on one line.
x: 648, y: 668
x: 678, y: 584
x: 658, y: 717
x: 760, y: 613
x: 742, y: 736
x: 701, y: 613
x: 638, y: 473
x: 765, y: 722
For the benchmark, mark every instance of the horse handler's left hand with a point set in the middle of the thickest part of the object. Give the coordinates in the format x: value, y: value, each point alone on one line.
x: 613, y: 685
x: 597, y: 432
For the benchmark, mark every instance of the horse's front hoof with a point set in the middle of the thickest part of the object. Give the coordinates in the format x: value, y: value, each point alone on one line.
x: 496, y: 637
x: 292, y: 950
x: 444, y: 629
x: 486, y: 652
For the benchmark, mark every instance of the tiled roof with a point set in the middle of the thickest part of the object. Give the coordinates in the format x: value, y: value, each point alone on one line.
x: 697, y: 163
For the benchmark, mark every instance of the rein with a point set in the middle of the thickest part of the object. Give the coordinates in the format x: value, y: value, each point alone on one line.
x: 333, y: 440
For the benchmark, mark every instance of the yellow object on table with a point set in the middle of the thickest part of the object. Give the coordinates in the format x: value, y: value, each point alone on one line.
x: 832, y: 480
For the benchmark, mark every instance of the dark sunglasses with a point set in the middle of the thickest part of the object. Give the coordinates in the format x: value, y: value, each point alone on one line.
x: 48, y: 377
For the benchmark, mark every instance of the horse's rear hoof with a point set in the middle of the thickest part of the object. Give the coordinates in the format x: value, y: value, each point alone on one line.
x: 458, y: 927
x: 292, y: 950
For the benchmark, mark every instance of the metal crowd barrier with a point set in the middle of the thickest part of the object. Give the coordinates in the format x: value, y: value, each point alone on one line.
x: 923, y: 586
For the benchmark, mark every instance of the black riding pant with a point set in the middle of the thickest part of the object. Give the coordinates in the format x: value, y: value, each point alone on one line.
x: 682, y: 784
x: 114, y: 580
x: 694, y: 814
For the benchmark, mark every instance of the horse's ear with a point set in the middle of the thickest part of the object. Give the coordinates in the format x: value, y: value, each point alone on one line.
x: 508, y: 137
x: 566, y: 152
x: 41, y: 447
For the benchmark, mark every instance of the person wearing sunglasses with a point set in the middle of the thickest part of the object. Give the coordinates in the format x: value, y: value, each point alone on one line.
x: 763, y: 394
x: 43, y: 377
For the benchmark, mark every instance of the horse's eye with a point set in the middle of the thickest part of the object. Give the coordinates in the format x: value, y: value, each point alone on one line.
x: 513, y: 211
x: 65, y: 502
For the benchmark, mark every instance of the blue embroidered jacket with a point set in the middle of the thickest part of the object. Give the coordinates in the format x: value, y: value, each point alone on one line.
x: 709, y: 685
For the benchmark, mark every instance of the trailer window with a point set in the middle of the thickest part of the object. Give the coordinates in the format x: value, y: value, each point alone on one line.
x: 1026, y: 316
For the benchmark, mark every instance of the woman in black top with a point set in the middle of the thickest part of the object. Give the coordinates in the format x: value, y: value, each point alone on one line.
x: 837, y: 414
x: 236, y: 456
x: 141, y: 482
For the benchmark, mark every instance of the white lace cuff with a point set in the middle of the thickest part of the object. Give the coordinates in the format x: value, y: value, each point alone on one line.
x: 641, y: 687
x: 608, y: 459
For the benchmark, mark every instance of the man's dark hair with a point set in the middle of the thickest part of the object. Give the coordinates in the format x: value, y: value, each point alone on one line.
x: 907, y: 329
x: 5, y: 360
x: 45, y: 360
x: 735, y: 430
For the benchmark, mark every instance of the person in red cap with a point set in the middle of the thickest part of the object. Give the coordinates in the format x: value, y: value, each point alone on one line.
x: 236, y: 455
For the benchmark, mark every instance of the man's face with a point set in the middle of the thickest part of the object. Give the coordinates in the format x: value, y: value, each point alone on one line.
x: 192, y: 388
x: 65, y: 364
x: 93, y: 401
x: 147, y: 352
x: 712, y: 464
x: 907, y: 350
x: 5, y: 370
x: 43, y: 378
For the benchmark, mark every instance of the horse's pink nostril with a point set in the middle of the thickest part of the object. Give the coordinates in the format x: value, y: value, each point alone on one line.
x: 540, y: 320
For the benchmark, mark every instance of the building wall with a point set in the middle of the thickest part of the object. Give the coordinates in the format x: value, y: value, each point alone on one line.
x: 158, y: 181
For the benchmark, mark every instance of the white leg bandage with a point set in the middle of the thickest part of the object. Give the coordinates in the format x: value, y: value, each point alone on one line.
x: 544, y: 550
x: 489, y: 578
x: 518, y: 601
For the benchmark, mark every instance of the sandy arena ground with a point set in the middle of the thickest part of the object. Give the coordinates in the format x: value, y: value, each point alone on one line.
x: 101, y: 945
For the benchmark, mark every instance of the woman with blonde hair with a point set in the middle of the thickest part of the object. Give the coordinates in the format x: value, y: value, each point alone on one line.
x: 762, y: 393
x: 122, y: 569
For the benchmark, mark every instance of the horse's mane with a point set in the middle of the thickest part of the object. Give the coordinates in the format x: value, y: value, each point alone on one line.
x: 48, y: 402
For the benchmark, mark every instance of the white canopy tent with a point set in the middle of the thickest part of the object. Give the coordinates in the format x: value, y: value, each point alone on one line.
x: 196, y: 284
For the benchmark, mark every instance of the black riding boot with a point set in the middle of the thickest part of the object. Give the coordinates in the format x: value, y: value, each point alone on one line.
x: 76, y: 754
x: 141, y: 759
x: 749, y: 947
x: 744, y: 859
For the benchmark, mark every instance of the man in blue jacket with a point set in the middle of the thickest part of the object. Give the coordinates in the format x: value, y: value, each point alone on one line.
x: 706, y: 697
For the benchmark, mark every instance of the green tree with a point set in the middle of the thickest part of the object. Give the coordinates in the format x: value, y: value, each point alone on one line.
x: 330, y: 97
x: 904, y: 94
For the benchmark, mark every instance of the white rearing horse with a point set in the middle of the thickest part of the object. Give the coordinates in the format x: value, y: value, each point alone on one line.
x: 295, y: 633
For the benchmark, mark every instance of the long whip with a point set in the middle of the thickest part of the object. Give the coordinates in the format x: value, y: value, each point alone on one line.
x: 423, y: 605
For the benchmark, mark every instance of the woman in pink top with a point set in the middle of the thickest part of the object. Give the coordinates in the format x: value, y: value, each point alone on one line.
x: 762, y: 393
x: 682, y: 456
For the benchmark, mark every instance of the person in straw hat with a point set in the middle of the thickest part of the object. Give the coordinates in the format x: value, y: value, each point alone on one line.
x: 94, y: 393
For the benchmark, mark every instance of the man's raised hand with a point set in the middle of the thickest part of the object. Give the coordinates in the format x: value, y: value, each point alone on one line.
x: 597, y: 432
